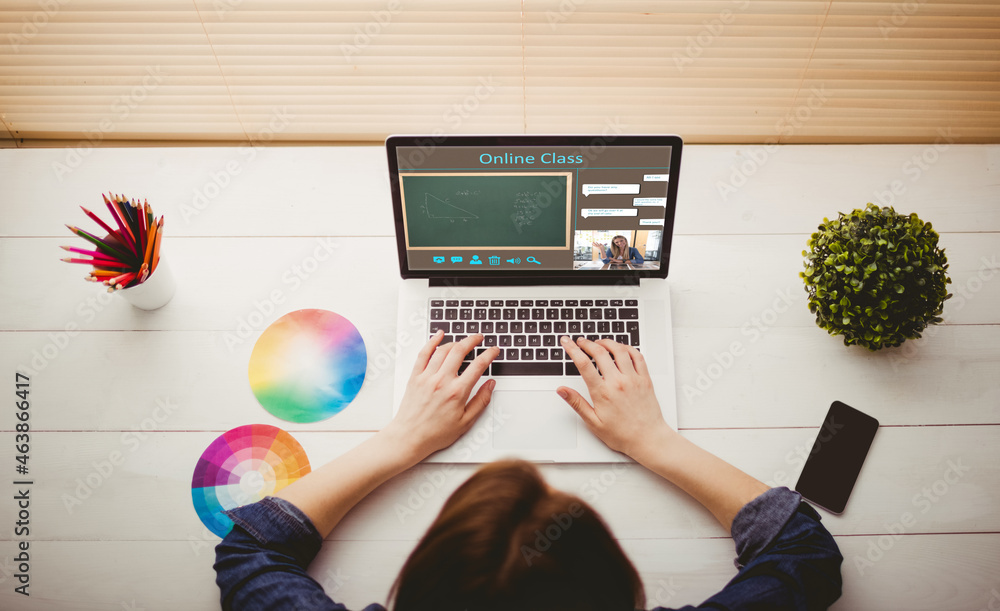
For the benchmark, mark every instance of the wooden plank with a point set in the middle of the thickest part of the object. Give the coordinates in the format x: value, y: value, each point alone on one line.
x: 954, y: 572
x: 736, y: 281
x: 789, y: 189
x: 716, y: 281
x: 204, y: 191
x: 102, y: 486
x: 774, y: 376
x: 725, y: 377
x: 113, y: 576
x: 236, y: 286
x: 182, y: 380
x: 724, y: 189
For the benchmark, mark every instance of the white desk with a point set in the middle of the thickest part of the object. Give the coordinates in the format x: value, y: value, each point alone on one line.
x: 245, y: 234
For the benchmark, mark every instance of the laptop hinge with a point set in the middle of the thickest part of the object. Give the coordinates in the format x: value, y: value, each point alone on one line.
x: 532, y: 281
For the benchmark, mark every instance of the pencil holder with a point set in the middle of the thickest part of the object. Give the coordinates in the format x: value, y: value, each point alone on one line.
x: 155, y: 292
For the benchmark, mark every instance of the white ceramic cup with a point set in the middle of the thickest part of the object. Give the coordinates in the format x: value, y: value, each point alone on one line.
x: 155, y: 292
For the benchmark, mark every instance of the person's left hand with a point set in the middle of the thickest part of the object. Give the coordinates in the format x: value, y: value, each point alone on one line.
x: 436, y: 410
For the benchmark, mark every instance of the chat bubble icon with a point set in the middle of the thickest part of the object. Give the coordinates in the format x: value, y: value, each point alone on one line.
x: 589, y: 212
x: 650, y: 223
x: 456, y: 259
x: 655, y: 178
x: 649, y: 201
x: 610, y: 189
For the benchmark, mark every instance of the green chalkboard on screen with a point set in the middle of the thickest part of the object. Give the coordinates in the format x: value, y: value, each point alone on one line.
x: 486, y: 210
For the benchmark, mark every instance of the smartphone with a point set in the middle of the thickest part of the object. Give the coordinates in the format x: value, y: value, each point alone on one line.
x: 834, y: 463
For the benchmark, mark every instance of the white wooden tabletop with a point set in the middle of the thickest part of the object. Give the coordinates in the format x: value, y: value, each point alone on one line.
x: 124, y: 401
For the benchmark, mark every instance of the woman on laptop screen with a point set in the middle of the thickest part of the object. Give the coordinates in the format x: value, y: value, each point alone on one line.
x: 507, y: 540
x: 620, y: 253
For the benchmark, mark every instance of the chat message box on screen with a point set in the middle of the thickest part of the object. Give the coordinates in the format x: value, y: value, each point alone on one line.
x: 651, y: 222
x: 610, y: 189
x: 649, y: 201
x: 589, y: 212
x: 655, y: 177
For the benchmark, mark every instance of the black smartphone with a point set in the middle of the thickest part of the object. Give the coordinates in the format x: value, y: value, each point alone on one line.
x: 835, y: 461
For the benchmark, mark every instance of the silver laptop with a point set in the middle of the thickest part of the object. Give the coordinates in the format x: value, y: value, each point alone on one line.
x: 525, y: 239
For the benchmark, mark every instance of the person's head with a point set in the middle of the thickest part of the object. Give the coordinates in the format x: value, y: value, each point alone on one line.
x: 505, y: 540
x: 619, y: 245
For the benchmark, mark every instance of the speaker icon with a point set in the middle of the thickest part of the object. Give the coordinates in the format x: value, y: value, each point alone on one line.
x: 515, y: 260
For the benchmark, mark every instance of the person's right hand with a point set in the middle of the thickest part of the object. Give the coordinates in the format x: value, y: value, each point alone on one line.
x: 625, y: 415
x: 436, y: 409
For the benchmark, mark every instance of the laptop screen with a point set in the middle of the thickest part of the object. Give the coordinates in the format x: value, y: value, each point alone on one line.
x: 540, y: 205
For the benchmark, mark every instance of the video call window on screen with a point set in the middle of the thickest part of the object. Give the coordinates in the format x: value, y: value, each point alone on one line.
x: 466, y: 209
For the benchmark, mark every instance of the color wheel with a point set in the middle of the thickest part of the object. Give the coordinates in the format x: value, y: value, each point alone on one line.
x: 243, y: 466
x: 308, y: 365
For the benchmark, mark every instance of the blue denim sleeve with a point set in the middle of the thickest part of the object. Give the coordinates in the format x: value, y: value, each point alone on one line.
x: 261, y: 564
x: 786, y: 559
x: 638, y: 257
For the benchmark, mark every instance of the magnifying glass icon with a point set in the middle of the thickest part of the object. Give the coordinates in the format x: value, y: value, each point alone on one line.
x: 533, y: 260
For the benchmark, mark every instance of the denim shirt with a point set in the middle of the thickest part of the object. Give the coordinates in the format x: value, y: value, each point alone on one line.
x: 633, y: 253
x: 786, y: 559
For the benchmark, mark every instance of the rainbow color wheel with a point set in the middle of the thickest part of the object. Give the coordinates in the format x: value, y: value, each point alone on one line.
x: 308, y: 365
x: 242, y: 466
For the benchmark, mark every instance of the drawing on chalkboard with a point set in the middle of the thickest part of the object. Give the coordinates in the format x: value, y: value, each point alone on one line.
x: 526, y: 208
x: 442, y: 209
x: 495, y: 210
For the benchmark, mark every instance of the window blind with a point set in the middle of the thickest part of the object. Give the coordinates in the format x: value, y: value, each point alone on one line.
x: 106, y: 71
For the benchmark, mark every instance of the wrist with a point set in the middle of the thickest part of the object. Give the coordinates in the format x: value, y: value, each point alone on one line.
x: 398, y: 448
x: 659, y: 447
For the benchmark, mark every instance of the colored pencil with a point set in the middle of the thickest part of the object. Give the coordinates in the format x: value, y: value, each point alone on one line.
x: 143, y: 229
x: 123, y: 201
x: 100, y: 244
x: 134, y: 225
x: 127, y: 205
x: 98, y: 262
x: 140, y: 221
x: 120, y: 217
x: 103, y: 225
x: 96, y: 254
x: 83, y: 251
x: 148, y: 255
x: 116, y: 217
x: 156, y: 247
x: 122, y: 279
x: 126, y: 209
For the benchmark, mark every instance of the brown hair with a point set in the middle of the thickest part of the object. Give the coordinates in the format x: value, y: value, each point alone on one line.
x: 615, y: 251
x: 505, y: 540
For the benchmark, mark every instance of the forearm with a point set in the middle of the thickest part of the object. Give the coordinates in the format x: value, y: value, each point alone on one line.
x: 327, y: 494
x: 720, y: 487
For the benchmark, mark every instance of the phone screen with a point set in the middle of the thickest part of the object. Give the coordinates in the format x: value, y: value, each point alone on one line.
x: 835, y: 461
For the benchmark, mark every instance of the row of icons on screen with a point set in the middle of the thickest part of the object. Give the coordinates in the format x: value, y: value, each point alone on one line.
x: 493, y: 260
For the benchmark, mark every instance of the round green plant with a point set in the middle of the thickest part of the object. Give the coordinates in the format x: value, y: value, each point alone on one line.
x: 876, y: 277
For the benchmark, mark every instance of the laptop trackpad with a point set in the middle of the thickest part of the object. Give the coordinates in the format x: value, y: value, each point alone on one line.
x: 528, y: 420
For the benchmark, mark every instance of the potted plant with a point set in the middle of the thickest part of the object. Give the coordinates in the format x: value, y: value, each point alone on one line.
x: 876, y: 277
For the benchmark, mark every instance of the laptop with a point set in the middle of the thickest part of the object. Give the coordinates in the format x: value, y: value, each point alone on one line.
x: 525, y: 238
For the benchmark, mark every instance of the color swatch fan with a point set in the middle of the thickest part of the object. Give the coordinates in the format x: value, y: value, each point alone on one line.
x: 243, y: 466
x: 308, y: 365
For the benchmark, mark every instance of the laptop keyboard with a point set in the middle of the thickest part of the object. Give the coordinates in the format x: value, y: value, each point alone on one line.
x: 527, y: 331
